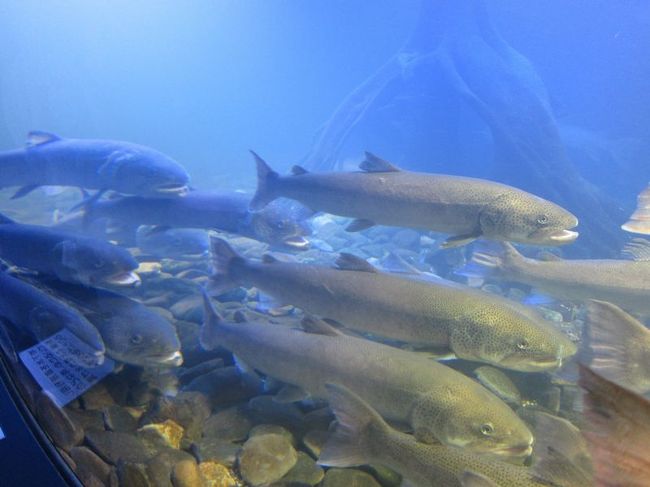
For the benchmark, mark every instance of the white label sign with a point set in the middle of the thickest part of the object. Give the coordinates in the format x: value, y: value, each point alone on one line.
x: 62, y: 379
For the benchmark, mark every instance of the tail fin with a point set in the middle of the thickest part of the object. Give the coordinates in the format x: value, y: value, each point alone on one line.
x: 209, y: 337
x: 223, y: 256
x: 617, y: 346
x: 265, y: 178
x: 349, y: 444
x: 489, y: 258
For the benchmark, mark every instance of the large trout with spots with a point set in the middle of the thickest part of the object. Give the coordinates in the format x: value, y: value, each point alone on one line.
x: 472, y: 324
x: 383, y: 194
x: 436, y: 402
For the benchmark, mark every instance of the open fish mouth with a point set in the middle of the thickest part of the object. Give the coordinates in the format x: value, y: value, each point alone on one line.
x: 172, y: 190
x: 516, y: 451
x: 127, y: 278
x: 563, y: 236
x: 296, y: 242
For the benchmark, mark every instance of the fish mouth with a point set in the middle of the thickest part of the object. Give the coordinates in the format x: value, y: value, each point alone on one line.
x: 172, y: 189
x: 126, y: 278
x: 296, y: 242
x: 563, y: 236
x: 523, y: 450
x: 174, y: 360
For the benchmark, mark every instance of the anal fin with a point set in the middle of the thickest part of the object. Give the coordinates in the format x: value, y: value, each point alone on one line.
x: 459, y: 240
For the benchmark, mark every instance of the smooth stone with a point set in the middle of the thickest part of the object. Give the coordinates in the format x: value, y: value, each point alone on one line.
x: 118, y: 418
x: 230, y: 424
x: 64, y: 432
x: 215, y: 450
x: 264, y: 409
x: 348, y: 477
x: 89, y: 464
x: 113, y: 446
x: 385, y: 476
x: 97, y: 397
x: 238, y: 294
x: 187, y: 374
x: 188, y: 409
x: 86, y: 418
x: 221, y: 386
x: 266, y: 458
x: 305, y: 472
x: 319, y: 419
x: 314, y: 441
x: 188, y: 309
x: 133, y: 475
x: 186, y: 474
x: 159, y: 468
x: 216, y: 475
x: 165, y: 434
x: 265, y: 429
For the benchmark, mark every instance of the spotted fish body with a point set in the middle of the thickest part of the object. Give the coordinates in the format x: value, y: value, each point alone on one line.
x: 382, y: 194
x: 472, y: 324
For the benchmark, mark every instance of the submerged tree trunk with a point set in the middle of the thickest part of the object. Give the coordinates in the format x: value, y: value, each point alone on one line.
x: 456, y: 39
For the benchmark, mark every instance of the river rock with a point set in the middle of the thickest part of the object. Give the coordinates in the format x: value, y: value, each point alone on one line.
x: 230, y: 424
x: 165, y: 434
x: 63, y: 431
x: 266, y: 458
x: 348, y: 477
x: 113, y: 446
x: 89, y: 464
x: 118, y: 418
x: 133, y: 475
x: 265, y: 429
x: 186, y: 474
x: 305, y: 472
x: 216, y: 475
x: 210, y: 449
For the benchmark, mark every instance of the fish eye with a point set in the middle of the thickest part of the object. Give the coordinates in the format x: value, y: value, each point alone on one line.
x: 136, y: 339
x: 523, y: 344
x: 542, y: 219
x: 486, y: 429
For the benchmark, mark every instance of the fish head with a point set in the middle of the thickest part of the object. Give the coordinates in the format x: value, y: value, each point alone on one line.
x: 283, y: 224
x: 135, y: 169
x: 510, y: 339
x: 150, y: 341
x: 476, y: 420
x: 526, y: 218
x: 91, y: 262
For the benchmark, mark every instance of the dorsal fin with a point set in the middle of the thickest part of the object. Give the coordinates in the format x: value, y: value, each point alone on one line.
x: 298, y: 170
x: 269, y: 259
x: 372, y: 163
x: 38, y: 137
x: 311, y: 324
x: 350, y: 262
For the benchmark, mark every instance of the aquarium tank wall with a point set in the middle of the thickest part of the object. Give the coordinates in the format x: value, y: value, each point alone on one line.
x: 325, y: 243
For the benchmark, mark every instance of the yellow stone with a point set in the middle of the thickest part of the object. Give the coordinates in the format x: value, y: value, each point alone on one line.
x: 216, y: 475
x: 169, y: 430
x: 149, y: 268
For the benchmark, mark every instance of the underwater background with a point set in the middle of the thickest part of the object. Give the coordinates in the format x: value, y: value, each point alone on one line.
x: 206, y: 350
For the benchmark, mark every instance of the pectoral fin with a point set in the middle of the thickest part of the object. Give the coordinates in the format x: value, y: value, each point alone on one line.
x: 359, y: 224
x: 289, y: 393
x: 459, y: 240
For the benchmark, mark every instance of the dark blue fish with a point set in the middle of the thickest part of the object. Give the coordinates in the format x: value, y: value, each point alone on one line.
x: 91, y: 164
x: 173, y: 242
x: 132, y: 333
x: 67, y: 256
x: 281, y: 223
x: 40, y: 315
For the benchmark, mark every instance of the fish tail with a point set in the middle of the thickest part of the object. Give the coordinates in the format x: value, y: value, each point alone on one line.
x: 212, y: 321
x: 616, y: 345
x: 223, y: 256
x: 266, y: 177
x: 349, y: 445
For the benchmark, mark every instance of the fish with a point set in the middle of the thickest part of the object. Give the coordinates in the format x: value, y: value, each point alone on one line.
x: 132, y: 333
x: 173, y: 242
x: 382, y: 194
x: 34, y: 311
x: 91, y: 164
x: 69, y: 257
x: 499, y: 383
x: 625, y: 283
x: 617, y: 431
x: 617, y: 346
x: 281, y: 224
x: 435, y: 401
x: 472, y: 324
x: 362, y: 436
x: 639, y: 221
